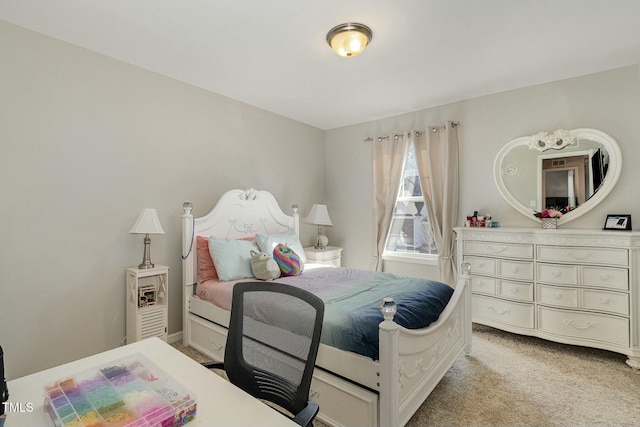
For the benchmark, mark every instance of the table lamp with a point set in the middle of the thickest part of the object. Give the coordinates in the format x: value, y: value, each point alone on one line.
x: 147, y: 223
x: 319, y: 215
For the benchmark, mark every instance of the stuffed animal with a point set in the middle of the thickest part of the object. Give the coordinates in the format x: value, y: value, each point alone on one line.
x: 289, y: 262
x: 264, y: 266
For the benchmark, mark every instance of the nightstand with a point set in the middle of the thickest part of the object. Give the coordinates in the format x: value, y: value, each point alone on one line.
x: 147, y: 303
x: 330, y: 256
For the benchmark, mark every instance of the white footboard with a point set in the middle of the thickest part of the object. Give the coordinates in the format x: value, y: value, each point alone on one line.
x: 383, y: 393
x: 412, y: 362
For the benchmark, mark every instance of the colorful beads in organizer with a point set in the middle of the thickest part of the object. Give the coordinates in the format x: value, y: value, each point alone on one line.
x: 120, y: 395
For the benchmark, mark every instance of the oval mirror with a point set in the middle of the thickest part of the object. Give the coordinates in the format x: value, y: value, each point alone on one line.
x: 573, y: 170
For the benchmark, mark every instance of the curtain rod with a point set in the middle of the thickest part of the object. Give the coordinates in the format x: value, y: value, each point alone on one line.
x: 396, y: 136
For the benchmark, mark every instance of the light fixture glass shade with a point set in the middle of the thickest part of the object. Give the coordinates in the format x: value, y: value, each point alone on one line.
x: 319, y: 215
x: 147, y: 223
x: 350, y: 39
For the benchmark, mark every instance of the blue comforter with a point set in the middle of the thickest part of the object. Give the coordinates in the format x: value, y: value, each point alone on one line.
x: 352, y: 304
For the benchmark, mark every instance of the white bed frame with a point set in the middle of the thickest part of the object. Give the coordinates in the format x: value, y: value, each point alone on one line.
x: 350, y: 389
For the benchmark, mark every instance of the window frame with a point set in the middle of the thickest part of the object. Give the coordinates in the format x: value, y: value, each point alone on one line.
x: 408, y: 257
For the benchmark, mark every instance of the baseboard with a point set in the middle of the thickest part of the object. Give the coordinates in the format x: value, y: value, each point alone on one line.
x: 173, y: 338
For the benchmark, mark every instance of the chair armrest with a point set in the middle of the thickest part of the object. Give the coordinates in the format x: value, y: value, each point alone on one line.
x: 213, y: 365
x: 306, y: 416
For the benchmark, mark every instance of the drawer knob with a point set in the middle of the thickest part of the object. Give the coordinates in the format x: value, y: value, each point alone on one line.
x: 514, y: 290
x: 604, y: 277
x: 514, y: 269
x: 313, y: 394
x: 556, y: 274
x: 604, y: 301
x: 569, y: 322
x: 557, y: 297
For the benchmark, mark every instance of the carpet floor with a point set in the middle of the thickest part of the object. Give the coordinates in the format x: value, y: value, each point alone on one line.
x: 512, y: 380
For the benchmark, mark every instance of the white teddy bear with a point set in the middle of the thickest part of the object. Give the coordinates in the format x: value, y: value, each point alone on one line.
x: 264, y: 266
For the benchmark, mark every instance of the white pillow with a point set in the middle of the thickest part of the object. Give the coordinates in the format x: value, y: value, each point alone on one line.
x: 269, y: 241
x: 232, y: 258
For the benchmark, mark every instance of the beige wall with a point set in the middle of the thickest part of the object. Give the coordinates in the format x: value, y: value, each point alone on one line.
x: 609, y: 101
x: 86, y: 142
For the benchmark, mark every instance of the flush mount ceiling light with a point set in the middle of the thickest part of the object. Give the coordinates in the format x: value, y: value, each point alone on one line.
x: 349, y: 39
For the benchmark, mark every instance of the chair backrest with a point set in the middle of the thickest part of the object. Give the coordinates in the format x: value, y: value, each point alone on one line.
x: 273, y: 339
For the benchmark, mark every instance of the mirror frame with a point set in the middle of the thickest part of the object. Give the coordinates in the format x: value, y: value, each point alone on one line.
x: 613, y: 172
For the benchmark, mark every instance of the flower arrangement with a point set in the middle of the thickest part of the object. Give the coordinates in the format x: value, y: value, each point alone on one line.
x: 549, y: 213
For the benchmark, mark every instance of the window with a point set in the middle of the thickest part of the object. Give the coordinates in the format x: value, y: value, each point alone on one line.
x: 410, y: 231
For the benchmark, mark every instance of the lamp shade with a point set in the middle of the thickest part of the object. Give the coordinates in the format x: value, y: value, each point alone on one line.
x: 147, y: 223
x: 319, y: 215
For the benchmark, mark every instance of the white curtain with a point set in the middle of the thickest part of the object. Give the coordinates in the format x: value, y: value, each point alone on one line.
x: 389, y: 152
x: 437, y: 160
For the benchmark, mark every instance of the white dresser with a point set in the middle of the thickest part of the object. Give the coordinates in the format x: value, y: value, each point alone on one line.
x: 572, y: 286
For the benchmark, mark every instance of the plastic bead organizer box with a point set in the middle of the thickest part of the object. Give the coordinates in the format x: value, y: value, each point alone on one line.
x: 129, y: 392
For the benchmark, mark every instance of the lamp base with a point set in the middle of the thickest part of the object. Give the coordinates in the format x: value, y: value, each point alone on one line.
x: 145, y: 266
x: 146, y: 259
x: 322, y: 242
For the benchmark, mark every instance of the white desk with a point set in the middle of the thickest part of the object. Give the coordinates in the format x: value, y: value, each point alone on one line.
x: 219, y: 402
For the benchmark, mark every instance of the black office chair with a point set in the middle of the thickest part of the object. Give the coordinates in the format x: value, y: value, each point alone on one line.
x: 271, y: 352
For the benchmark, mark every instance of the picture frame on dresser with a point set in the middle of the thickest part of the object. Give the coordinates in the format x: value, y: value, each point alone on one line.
x: 617, y: 222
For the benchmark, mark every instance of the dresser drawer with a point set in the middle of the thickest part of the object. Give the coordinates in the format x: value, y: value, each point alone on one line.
x: 342, y: 403
x: 484, y: 285
x: 519, y: 270
x: 481, y: 265
x: 558, y: 296
x: 587, y: 326
x: 583, y: 255
x: 508, y: 312
x: 208, y: 338
x: 507, y: 250
x: 557, y: 274
x: 601, y: 277
x: 612, y: 302
x: 515, y: 290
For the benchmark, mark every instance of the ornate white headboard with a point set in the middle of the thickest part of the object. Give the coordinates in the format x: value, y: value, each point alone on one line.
x: 237, y: 214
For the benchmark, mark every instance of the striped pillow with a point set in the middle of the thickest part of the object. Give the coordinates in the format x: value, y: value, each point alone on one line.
x: 289, y: 262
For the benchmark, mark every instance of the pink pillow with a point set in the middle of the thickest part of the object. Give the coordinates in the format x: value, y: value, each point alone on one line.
x: 206, y: 268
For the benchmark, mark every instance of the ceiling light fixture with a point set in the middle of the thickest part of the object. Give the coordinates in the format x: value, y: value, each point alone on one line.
x: 349, y: 39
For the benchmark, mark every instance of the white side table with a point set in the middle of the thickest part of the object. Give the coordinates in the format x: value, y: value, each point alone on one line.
x: 147, y: 303
x: 330, y: 256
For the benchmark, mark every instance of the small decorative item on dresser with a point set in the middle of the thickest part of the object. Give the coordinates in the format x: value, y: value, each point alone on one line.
x: 617, y: 222
x: 549, y: 217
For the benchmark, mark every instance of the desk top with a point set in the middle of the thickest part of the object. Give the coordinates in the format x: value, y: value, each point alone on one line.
x: 219, y: 402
